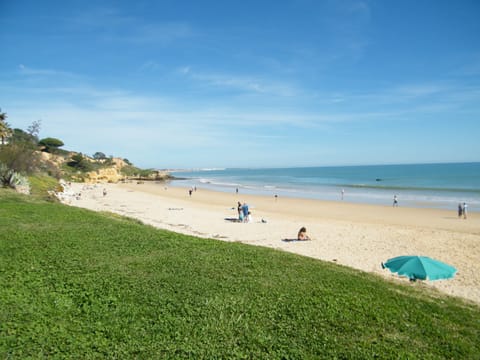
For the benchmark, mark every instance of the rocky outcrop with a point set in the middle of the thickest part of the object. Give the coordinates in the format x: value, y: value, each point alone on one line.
x: 154, y: 176
x: 51, y: 158
x: 111, y: 175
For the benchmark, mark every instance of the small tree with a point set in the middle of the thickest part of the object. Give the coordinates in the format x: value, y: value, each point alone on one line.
x: 51, y: 144
x: 99, y: 156
x: 20, y: 153
x: 80, y: 163
x: 34, y: 129
x: 5, y: 130
x: 109, y: 161
x: 20, y: 136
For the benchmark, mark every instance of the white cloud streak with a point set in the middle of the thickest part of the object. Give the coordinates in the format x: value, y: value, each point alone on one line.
x: 248, y: 84
x: 89, y: 119
x: 110, y: 25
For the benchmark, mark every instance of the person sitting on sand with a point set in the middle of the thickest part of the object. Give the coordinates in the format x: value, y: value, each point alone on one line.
x: 302, y: 234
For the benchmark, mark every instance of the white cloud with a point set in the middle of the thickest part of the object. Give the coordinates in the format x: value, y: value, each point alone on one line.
x: 419, y: 90
x: 140, y: 126
x: 111, y: 25
x: 29, y: 71
x: 185, y: 70
x: 150, y: 65
x: 248, y: 84
x: 163, y: 33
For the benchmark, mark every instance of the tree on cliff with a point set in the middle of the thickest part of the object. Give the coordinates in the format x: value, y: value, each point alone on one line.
x: 79, y: 162
x: 51, y: 144
x: 99, y: 156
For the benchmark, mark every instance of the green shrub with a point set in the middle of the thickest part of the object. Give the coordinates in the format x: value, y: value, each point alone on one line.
x: 133, y: 171
x: 11, y: 178
x: 80, y: 163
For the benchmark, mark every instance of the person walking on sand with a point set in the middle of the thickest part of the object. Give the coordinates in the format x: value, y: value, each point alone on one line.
x: 343, y: 193
x: 302, y: 234
x: 395, y: 201
x: 460, y: 210
x: 465, y: 210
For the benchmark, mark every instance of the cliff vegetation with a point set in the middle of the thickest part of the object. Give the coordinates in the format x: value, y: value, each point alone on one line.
x: 29, y: 164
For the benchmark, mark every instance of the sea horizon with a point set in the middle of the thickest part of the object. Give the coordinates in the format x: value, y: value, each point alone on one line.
x: 207, y: 168
x: 424, y: 185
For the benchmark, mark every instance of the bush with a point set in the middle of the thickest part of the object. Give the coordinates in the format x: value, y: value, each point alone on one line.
x: 20, y: 157
x: 20, y: 136
x: 99, y: 156
x: 12, y: 179
x: 80, y: 163
x: 132, y: 171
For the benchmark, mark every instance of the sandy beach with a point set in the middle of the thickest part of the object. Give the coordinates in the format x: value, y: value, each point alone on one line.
x: 356, y: 235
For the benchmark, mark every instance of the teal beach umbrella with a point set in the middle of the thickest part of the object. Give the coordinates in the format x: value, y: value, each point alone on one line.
x: 420, y: 267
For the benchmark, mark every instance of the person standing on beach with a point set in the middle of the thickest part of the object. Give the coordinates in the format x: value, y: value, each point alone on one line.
x: 460, y: 210
x: 343, y: 193
x: 245, y: 211
x: 395, y: 201
x: 465, y: 210
x: 240, y: 211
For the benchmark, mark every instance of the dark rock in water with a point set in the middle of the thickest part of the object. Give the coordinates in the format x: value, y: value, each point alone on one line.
x: 378, y: 179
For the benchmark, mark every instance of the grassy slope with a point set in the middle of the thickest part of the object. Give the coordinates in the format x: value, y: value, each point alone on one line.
x: 40, y: 185
x: 74, y: 283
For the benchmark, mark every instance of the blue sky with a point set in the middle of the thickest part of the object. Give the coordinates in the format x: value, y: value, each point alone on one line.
x: 181, y: 84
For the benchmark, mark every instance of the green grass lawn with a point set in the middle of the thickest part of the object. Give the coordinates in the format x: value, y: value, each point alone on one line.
x: 83, y: 285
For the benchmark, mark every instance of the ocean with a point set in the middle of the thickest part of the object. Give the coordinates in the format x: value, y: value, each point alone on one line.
x: 418, y: 185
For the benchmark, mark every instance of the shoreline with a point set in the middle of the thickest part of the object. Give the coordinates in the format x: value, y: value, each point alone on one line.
x: 361, y: 236
x: 334, y: 194
x: 415, y: 185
